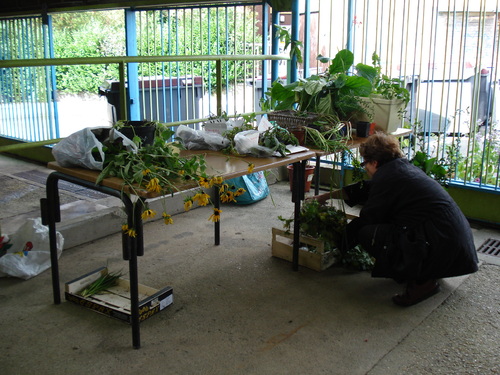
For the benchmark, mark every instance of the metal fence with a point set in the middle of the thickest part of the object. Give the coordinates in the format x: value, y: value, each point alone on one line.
x: 27, y: 110
x: 184, y: 90
x: 446, y: 51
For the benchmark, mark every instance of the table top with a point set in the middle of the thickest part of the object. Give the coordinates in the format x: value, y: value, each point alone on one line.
x: 218, y: 164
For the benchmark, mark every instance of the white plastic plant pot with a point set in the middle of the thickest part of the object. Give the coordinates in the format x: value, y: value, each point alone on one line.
x: 386, y: 113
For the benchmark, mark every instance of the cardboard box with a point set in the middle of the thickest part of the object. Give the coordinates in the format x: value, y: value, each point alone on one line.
x: 319, y: 260
x: 116, y: 301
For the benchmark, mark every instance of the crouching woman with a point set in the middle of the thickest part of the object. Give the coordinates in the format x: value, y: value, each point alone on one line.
x: 408, y: 222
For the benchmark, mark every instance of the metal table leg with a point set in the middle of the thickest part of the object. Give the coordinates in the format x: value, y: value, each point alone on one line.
x: 297, y: 196
x: 131, y: 246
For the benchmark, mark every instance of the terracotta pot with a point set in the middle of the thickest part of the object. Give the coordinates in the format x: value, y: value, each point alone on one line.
x: 308, y: 177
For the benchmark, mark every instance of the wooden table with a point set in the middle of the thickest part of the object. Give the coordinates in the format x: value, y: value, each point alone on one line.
x: 218, y: 164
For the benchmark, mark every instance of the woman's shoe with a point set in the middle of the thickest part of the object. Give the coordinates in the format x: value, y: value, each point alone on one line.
x: 416, y: 293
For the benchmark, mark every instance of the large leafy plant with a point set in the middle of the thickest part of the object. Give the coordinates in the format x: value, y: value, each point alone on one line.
x: 333, y: 93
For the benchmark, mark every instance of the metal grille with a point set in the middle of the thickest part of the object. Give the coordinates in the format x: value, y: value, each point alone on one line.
x: 490, y: 247
x: 184, y: 90
x: 27, y: 109
x: 448, y: 54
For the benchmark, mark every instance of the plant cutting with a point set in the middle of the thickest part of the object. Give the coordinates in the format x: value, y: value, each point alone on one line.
x: 101, y: 285
x: 161, y: 170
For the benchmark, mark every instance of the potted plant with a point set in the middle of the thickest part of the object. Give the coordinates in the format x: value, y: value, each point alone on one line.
x: 331, y: 96
x: 388, y: 99
x: 144, y: 130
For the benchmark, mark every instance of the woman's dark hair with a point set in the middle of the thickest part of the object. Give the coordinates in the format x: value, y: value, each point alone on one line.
x: 380, y: 147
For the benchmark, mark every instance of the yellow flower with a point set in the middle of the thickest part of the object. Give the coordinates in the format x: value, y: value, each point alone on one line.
x: 167, y: 218
x: 251, y: 166
x: 154, y: 185
x: 239, y: 192
x: 201, y: 198
x: 124, y: 227
x: 181, y: 172
x: 188, y: 203
x: 215, y: 217
x: 204, y: 182
x: 223, y: 188
x: 146, y: 172
x: 216, y: 180
x: 230, y: 197
x: 131, y: 233
x: 148, y: 214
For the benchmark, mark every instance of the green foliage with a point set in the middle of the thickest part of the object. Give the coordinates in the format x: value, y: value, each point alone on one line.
x: 328, y: 224
x: 199, y: 32
x: 323, y: 222
x: 89, y: 34
x: 383, y: 85
x: 188, y: 32
x: 295, y: 45
x: 333, y: 93
x: 482, y: 165
x: 160, y: 161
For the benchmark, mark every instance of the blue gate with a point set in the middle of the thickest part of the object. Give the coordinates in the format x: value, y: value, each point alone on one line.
x: 28, y: 111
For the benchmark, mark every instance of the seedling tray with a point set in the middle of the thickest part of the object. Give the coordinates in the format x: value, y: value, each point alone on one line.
x: 115, y: 301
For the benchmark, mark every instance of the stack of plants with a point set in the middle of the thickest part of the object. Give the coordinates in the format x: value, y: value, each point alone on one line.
x: 328, y: 224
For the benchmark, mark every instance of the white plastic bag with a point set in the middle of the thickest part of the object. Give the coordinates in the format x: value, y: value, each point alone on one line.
x: 245, y: 141
x: 201, y: 140
x: 30, y: 251
x: 77, y: 149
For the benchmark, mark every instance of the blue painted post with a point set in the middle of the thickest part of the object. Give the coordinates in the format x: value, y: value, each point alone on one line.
x: 275, y: 46
x: 350, y: 19
x: 306, y: 51
x: 295, y: 37
x: 265, y: 46
x: 134, y: 111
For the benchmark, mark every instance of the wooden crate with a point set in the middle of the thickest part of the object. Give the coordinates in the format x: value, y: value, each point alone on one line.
x: 116, y: 301
x: 319, y: 260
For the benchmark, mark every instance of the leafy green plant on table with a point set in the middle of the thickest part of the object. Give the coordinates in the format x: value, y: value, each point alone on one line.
x: 334, y: 93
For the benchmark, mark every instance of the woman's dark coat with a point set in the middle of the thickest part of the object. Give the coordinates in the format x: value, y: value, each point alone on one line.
x: 401, y: 194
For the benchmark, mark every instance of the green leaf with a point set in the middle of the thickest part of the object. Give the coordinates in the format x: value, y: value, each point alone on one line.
x: 314, y: 86
x: 342, y: 61
x: 367, y: 71
x: 357, y: 86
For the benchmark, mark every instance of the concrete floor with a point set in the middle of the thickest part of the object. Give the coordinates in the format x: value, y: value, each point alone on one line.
x: 236, y: 309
